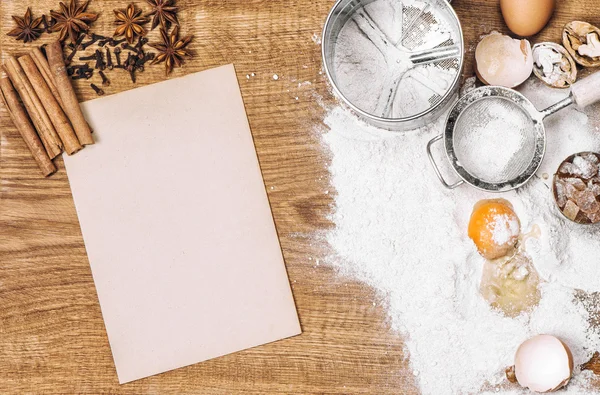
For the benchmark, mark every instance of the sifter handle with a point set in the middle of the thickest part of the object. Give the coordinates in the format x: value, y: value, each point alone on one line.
x: 587, y: 91
x: 438, y: 173
x: 435, y: 54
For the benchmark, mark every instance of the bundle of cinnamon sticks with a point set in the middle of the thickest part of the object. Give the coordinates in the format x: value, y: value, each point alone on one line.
x: 41, y: 101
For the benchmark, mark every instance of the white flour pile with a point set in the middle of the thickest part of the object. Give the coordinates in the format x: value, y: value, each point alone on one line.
x: 400, y: 231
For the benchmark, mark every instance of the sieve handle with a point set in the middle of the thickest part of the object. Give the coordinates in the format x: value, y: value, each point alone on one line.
x: 435, y: 166
x: 587, y: 91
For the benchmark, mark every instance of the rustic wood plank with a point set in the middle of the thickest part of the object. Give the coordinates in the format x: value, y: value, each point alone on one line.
x: 52, y: 337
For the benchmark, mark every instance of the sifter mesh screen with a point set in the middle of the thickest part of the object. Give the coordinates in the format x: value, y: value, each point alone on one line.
x: 376, y: 64
x: 494, y: 140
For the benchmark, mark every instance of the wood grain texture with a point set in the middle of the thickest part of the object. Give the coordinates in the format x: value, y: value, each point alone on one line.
x: 52, y: 337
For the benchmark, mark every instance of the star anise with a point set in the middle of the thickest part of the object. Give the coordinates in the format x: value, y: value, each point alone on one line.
x: 130, y: 23
x: 72, y: 20
x: 28, y: 29
x: 172, y: 49
x: 164, y: 12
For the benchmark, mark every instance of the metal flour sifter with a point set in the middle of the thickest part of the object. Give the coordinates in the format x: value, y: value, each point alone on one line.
x: 396, y: 63
x: 495, y: 139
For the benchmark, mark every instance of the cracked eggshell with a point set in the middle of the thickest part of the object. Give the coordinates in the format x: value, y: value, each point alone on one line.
x: 582, y: 41
x: 543, y: 364
x: 503, y: 61
x: 527, y: 17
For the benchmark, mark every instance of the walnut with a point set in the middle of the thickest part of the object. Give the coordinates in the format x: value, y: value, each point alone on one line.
x: 592, y: 48
x: 554, y: 65
x: 582, y: 40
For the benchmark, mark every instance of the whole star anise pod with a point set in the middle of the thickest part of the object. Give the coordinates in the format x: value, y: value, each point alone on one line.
x: 72, y: 20
x: 28, y: 29
x: 130, y: 23
x: 164, y: 12
x: 172, y: 49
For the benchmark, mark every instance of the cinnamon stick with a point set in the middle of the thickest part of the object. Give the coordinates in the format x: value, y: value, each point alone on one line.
x: 19, y: 117
x: 42, y: 64
x: 55, y: 112
x: 67, y: 93
x: 34, y: 107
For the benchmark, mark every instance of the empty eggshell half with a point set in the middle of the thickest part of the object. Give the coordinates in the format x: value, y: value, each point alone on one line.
x: 543, y: 364
x: 503, y: 61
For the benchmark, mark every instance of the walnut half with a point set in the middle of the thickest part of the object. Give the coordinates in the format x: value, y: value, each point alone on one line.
x: 554, y: 65
x: 582, y: 40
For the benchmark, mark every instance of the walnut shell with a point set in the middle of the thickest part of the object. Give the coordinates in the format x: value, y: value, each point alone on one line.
x: 582, y: 40
x: 554, y: 65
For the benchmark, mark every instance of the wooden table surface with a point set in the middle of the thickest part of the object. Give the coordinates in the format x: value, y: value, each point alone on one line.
x: 52, y: 337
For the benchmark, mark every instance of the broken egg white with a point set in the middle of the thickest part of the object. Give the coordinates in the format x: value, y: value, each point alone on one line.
x: 543, y: 364
x: 511, y: 285
x: 503, y: 61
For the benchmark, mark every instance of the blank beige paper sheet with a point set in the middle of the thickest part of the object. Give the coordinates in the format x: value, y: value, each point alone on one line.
x: 177, y: 226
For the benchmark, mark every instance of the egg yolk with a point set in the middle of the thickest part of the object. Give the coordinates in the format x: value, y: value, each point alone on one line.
x: 494, y: 228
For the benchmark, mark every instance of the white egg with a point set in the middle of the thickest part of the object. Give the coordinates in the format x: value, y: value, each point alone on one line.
x: 543, y: 364
x: 503, y: 61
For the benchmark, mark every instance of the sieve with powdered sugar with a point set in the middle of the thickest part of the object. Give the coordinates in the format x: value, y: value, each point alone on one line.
x: 495, y: 139
x: 396, y: 63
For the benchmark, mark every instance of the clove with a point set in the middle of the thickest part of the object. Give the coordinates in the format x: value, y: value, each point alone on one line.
x: 141, y: 42
x: 139, y: 64
x: 82, y: 74
x: 117, y: 51
x: 109, y: 62
x: 80, y: 66
x: 94, y: 39
x: 77, y: 69
x: 128, y: 47
x: 128, y: 60
x: 113, y: 43
x: 100, y: 60
x: 105, y: 80
x: 69, y: 58
x: 130, y: 66
x: 99, y: 91
x: 91, y: 57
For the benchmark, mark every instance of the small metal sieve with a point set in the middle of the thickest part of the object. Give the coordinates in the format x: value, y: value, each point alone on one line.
x: 395, y: 83
x: 495, y: 138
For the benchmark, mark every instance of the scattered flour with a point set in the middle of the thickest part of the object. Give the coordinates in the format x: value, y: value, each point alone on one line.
x: 400, y: 231
x: 316, y: 39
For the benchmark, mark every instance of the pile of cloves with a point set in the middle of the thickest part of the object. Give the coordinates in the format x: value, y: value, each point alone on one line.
x: 109, y: 54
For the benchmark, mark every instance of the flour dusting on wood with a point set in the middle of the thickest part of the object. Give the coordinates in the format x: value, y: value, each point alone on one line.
x: 400, y: 231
